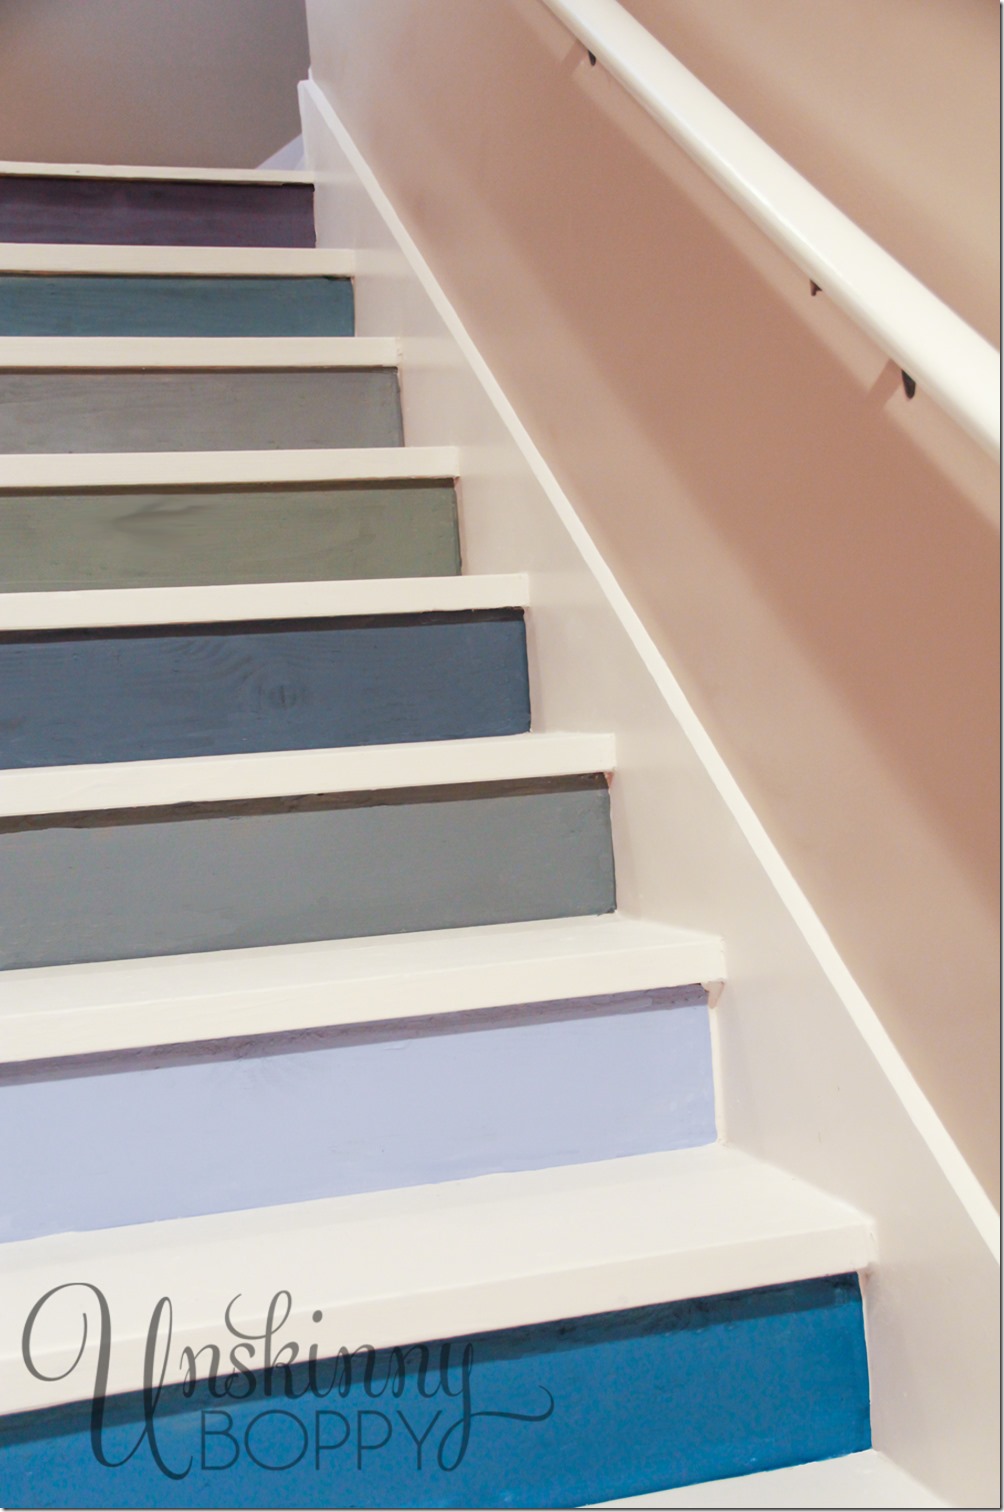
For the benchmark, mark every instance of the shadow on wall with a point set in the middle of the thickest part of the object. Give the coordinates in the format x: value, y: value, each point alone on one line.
x: 194, y: 83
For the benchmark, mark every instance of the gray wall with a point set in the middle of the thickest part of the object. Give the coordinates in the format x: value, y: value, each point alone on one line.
x: 198, y: 83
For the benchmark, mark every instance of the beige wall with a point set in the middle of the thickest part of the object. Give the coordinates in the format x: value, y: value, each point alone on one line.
x: 198, y: 83
x: 815, y: 556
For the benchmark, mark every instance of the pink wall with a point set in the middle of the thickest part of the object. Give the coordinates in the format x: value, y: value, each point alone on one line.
x: 890, y: 107
x: 194, y: 83
x: 815, y: 556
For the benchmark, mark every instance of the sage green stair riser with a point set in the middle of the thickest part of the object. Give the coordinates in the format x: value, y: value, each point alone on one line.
x: 264, y: 410
x: 133, y: 539
x: 286, y: 871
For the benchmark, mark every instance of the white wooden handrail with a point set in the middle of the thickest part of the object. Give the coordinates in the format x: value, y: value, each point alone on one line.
x: 939, y: 351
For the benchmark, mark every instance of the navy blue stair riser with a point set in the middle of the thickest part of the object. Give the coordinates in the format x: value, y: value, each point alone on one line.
x: 172, y: 410
x: 458, y: 1095
x: 68, y: 698
x: 139, y: 539
x: 554, y: 1415
x: 134, y: 305
x: 98, y: 887
x: 155, y: 212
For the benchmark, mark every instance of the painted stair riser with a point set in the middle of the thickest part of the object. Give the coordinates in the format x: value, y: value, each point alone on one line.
x: 81, y: 888
x: 355, y: 1110
x: 134, y: 539
x: 106, y: 305
x: 138, y: 411
x: 135, y: 695
x: 150, y: 213
x: 554, y: 1415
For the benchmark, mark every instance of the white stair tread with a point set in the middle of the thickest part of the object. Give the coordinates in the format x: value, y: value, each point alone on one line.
x: 270, y: 774
x: 102, y: 1006
x: 21, y: 168
x: 237, y: 262
x: 75, y: 609
x: 419, y: 1263
x: 347, y: 464
x: 105, y: 352
x: 867, y: 1479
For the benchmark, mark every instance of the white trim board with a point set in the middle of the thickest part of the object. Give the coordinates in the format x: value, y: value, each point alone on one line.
x: 65, y: 471
x: 141, y: 352
x: 868, y: 1479
x: 10, y: 169
x: 237, y: 262
x: 918, y: 1106
x: 271, y: 989
x: 431, y: 1262
x: 273, y: 774
x: 77, y: 609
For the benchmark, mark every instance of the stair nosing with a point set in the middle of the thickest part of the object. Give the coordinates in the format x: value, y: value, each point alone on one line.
x: 96, y: 354
x: 271, y: 774
x: 27, y: 472
x: 225, y: 603
x: 102, y: 1007
x: 126, y: 259
x: 450, y: 1260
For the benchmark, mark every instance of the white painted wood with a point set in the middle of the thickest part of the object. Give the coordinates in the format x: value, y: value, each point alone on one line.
x: 103, y: 352
x: 123, y: 1005
x: 868, y: 1479
x: 247, y: 262
x: 429, y: 1262
x: 344, y: 769
x: 136, y: 171
x: 951, y: 361
x: 24, y: 472
x: 288, y: 157
x: 807, y: 1076
x: 78, y: 608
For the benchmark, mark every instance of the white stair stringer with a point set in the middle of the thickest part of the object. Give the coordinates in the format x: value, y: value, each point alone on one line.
x: 98, y: 1007
x: 402, y: 1266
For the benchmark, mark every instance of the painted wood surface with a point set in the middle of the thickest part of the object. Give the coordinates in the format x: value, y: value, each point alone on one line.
x: 198, y: 411
x: 149, y: 882
x: 146, y: 213
x: 138, y: 694
x: 559, y: 1414
x: 510, y: 1089
x: 144, y: 538
x: 37, y: 305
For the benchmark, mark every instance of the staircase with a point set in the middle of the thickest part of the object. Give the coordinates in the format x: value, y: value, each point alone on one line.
x: 319, y: 1017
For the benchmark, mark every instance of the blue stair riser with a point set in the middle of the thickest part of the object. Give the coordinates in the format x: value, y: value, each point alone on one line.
x: 557, y: 1415
x: 181, y: 410
x: 153, y: 212
x: 99, y: 887
x: 131, y: 695
x: 107, y: 305
x: 138, y: 539
x: 352, y: 1110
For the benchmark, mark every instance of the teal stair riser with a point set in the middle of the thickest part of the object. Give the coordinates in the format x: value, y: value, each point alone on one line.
x: 388, y: 1105
x: 103, y: 305
x: 141, y: 539
x: 132, y: 695
x: 98, y: 887
x: 557, y: 1415
x: 175, y: 410
x: 151, y: 212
